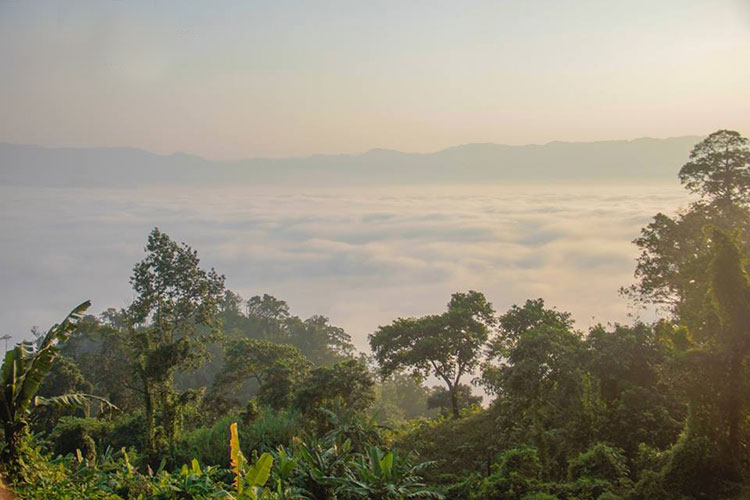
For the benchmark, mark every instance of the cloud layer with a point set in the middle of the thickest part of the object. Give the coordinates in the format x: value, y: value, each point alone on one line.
x: 362, y: 257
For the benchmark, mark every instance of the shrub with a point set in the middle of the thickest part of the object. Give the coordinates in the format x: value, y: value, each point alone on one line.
x: 647, y: 459
x: 539, y: 495
x: 691, y: 468
x: 609, y: 496
x: 515, y: 477
x: 650, y: 487
x: 584, y: 488
x: 264, y: 433
x: 521, y: 461
x: 601, y: 461
x: 459, y: 447
x: 74, y: 433
x: 126, y: 431
x: 92, y: 434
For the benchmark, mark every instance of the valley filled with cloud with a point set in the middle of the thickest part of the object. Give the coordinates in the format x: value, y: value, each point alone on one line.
x: 360, y: 256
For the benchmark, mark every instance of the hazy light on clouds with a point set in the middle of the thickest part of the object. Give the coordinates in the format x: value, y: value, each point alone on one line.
x: 363, y: 257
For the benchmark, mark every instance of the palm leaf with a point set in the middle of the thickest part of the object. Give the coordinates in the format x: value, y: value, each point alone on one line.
x: 41, y: 360
x: 73, y: 401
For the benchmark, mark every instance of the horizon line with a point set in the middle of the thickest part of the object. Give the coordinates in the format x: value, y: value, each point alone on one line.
x: 330, y: 155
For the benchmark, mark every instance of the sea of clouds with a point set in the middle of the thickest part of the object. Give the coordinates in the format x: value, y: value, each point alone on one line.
x: 360, y: 256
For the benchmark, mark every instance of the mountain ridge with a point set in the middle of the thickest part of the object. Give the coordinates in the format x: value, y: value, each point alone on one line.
x: 645, y: 158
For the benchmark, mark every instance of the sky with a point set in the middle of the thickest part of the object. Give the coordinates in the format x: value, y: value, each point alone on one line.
x: 235, y: 79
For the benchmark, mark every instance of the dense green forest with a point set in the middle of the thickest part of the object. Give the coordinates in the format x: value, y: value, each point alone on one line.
x: 195, y: 392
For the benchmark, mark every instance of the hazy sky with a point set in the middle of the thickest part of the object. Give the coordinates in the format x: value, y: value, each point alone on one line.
x: 228, y: 79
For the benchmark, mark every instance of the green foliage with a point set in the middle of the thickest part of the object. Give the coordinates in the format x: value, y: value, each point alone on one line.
x: 650, y: 487
x: 75, y: 401
x: 318, y: 340
x: 537, y: 364
x: 458, y: 447
x: 170, y: 321
x: 447, y: 346
x: 277, y: 368
x: 92, y: 434
x: 647, y: 460
x: 400, y: 397
x: 440, y: 398
x: 322, y: 464
x: 601, y: 461
x: 349, y: 425
x: 269, y: 318
x: 347, y: 383
x: 64, y: 377
x: 713, y: 370
x: 730, y: 290
x: 249, y: 479
x: 523, y: 462
x: 73, y: 434
x: 98, y: 349
x: 23, y: 370
x: 540, y: 495
x: 113, y: 476
x: 515, y: 325
x: 385, y: 475
x: 265, y: 353
x: 719, y: 168
x: 516, y: 476
x: 691, y: 469
x: 312, y: 469
x: 674, y: 251
x: 264, y: 433
x: 635, y: 402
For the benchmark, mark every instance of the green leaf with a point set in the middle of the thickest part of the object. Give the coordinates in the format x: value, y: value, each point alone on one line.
x: 258, y: 474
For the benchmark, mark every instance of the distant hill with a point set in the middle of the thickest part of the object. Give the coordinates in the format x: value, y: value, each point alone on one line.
x: 636, y: 160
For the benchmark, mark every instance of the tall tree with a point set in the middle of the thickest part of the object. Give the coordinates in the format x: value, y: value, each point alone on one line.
x: 517, y: 322
x: 319, y: 340
x: 719, y: 169
x: 730, y: 289
x: 535, y: 364
x: 347, y: 384
x: 674, y: 252
x: 268, y: 318
x: 447, y: 346
x: 636, y: 402
x: 170, y: 321
x: 277, y: 369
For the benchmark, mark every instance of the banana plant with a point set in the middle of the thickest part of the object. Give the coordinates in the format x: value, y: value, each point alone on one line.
x: 321, y: 465
x: 284, y: 472
x: 348, y: 423
x: 249, y: 480
x: 380, y: 475
x: 22, y: 372
x: 76, y: 400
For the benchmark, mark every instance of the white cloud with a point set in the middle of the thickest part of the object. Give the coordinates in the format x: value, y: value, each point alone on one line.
x: 363, y: 257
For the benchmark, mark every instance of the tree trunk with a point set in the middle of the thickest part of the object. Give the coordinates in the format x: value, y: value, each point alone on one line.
x: 734, y: 405
x: 454, y: 401
x: 150, y: 422
x: 13, y: 439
